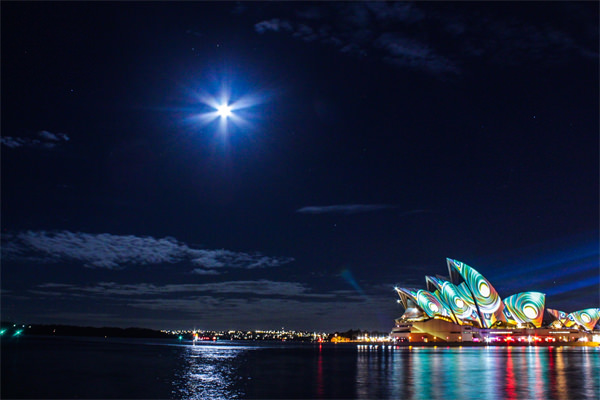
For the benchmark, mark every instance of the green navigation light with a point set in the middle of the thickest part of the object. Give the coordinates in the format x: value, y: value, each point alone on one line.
x: 2, y: 332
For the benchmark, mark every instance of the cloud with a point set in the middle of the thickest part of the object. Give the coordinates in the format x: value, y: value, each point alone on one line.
x: 274, y: 25
x: 407, y: 13
x: 355, y: 28
x: 233, y: 304
x: 52, y: 136
x: 407, y: 52
x: 293, y: 313
x: 55, y: 286
x: 43, y: 139
x: 13, y: 142
x: 262, y: 287
x: 200, y: 271
x: 511, y: 41
x: 354, y: 209
x: 226, y: 258
x: 344, y: 209
x: 438, y: 40
x: 109, y: 251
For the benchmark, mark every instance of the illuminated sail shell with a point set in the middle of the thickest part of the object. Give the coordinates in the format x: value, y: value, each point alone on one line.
x: 406, y: 294
x: 525, y: 307
x: 463, y: 292
x: 487, y: 299
x: 446, y: 312
x: 428, y: 303
x: 469, y: 298
x: 559, y: 315
x: 461, y: 304
x: 586, y: 318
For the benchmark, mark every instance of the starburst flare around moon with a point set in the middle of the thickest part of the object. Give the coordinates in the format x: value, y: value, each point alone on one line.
x: 225, y: 110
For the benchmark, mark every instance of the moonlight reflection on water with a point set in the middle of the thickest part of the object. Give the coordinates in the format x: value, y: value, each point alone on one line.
x: 138, y: 368
x: 210, y: 372
x: 258, y: 371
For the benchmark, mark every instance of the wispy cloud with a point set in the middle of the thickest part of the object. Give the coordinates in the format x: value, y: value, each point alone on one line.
x: 201, y: 271
x: 13, y: 142
x: 262, y: 287
x: 354, y: 209
x: 296, y: 313
x: 109, y: 251
x: 409, y: 52
x: 345, y: 208
x: 360, y: 29
x: 273, y: 25
x: 437, y: 40
x: 234, y: 304
x: 43, y: 139
x: 53, y: 137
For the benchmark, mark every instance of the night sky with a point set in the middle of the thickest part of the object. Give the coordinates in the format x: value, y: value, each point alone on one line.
x: 368, y: 142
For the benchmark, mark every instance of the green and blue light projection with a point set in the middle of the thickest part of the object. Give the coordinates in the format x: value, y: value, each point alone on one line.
x: 406, y: 294
x: 470, y: 299
x: 586, y: 318
x: 446, y: 311
x: 487, y: 299
x: 526, y: 307
x: 461, y: 304
x: 558, y: 315
x: 428, y: 303
x: 425, y: 301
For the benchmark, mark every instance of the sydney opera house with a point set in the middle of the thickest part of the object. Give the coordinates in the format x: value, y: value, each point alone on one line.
x: 465, y: 307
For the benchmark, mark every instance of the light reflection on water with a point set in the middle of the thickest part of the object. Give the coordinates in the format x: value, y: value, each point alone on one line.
x: 482, y: 373
x: 330, y: 371
x: 138, y: 368
x: 208, y: 372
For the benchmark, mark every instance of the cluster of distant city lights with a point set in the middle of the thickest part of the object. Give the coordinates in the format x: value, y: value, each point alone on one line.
x: 281, y: 335
x: 291, y: 335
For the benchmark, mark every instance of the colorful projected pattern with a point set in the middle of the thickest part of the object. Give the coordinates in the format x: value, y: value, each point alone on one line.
x: 463, y: 292
x: 476, y: 302
x: 525, y: 307
x: 407, y: 293
x: 428, y: 303
x: 445, y: 309
x: 461, y: 305
x: 559, y: 315
x: 586, y: 318
x: 488, y: 300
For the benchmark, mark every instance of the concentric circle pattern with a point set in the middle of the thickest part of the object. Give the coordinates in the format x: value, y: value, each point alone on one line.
x: 468, y: 298
x: 526, y: 307
x: 586, y: 318
x: 486, y: 297
x: 462, y: 308
x: 428, y: 303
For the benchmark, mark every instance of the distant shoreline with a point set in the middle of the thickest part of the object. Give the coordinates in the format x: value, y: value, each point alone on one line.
x: 481, y: 344
x: 11, y: 331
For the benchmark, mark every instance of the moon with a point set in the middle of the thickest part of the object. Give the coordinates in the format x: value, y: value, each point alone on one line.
x: 224, y: 110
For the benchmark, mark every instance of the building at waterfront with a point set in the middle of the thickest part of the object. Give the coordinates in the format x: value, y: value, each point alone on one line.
x: 466, y: 307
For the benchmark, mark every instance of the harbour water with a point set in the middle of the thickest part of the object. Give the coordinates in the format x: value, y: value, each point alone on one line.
x: 53, y: 367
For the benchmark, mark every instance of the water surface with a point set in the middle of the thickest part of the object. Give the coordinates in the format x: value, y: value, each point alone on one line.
x: 38, y: 367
